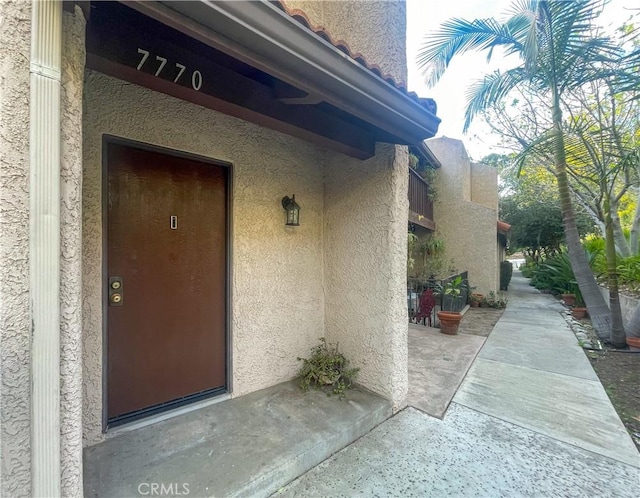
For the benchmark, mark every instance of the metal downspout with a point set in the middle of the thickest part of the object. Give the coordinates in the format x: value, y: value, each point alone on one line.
x: 44, y: 244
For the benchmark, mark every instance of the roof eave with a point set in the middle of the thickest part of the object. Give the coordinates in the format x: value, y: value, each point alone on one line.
x: 260, y: 34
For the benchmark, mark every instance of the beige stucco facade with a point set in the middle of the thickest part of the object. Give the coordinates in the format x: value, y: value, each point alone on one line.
x: 277, y: 283
x: 466, y: 213
x: 344, y: 266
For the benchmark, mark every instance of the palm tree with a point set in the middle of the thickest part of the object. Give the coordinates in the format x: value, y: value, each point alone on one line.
x: 555, y: 43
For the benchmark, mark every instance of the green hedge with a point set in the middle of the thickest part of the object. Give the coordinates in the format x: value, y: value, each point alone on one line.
x: 506, y: 270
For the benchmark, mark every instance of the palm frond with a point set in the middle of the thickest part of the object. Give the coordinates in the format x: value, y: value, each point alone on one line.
x: 457, y: 36
x: 491, y: 90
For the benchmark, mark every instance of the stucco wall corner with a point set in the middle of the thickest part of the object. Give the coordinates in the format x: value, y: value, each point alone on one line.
x: 73, y: 57
x: 398, y: 321
x: 15, y: 325
x: 365, y: 266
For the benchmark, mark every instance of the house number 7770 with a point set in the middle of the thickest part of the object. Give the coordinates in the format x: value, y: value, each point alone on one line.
x: 196, y: 76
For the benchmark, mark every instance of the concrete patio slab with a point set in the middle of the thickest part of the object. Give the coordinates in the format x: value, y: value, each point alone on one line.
x: 466, y: 454
x: 249, y: 446
x: 437, y: 366
x: 569, y: 409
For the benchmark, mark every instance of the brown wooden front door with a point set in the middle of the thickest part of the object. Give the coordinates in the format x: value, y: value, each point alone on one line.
x: 166, y: 335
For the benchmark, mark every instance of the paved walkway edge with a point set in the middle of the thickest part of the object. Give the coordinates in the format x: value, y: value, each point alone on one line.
x: 287, y: 468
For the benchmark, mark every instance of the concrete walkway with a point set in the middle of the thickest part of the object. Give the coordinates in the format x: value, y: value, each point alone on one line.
x: 248, y: 447
x: 437, y: 365
x: 530, y: 419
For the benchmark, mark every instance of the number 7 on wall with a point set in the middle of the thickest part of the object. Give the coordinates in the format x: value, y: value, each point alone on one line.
x: 145, y: 55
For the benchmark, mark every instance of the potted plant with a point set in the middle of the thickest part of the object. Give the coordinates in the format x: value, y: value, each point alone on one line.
x: 449, y: 319
x: 579, y: 310
x: 475, y: 299
x: 326, y: 369
x: 569, y: 299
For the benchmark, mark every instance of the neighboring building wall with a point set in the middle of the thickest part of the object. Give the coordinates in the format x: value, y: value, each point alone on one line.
x: 484, y: 185
x: 466, y: 212
x: 374, y: 28
x: 15, y: 319
x: 277, y: 280
x: 366, y: 210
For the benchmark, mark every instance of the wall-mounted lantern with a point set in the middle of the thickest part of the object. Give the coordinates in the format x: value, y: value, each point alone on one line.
x: 293, y: 210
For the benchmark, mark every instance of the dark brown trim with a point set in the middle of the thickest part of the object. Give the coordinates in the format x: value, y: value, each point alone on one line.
x: 260, y: 34
x: 316, y: 127
x: 112, y: 139
x: 421, y: 220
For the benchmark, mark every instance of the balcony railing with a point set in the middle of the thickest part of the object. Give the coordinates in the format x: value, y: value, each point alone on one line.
x: 420, y: 205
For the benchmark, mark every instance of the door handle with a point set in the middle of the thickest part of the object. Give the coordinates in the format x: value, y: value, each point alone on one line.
x: 116, y: 296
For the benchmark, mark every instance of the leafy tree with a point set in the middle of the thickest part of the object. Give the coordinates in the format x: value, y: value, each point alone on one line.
x: 535, y: 229
x: 557, y: 49
x: 529, y: 202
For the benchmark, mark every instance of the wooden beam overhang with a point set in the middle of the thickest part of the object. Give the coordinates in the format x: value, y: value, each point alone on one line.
x: 255, y: 62
x: 261, y: 35
x: 421, y: 220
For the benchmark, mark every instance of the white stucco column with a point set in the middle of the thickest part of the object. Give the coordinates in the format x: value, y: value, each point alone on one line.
x: 73, y: 62
x: 44, y: 245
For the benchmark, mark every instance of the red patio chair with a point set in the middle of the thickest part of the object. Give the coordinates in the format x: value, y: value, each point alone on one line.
x: 426, y: 305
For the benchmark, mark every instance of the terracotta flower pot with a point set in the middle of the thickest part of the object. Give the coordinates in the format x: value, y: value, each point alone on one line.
x: 633, y: 342
x: 579, y: 313
x: 475, y: 304
x: 449, y: 322
x: 569, y: 299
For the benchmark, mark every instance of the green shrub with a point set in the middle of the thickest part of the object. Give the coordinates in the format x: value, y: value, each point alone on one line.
x: 629, y: 272
x: 506, y: 270
x: 555, y: 274
x: 528, y: 269
x: 326, y: 369
x: 494, y: 300
x: 594, y: 244
x: 595, y: 248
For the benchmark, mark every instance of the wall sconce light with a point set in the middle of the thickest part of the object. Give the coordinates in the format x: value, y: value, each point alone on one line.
x: 293, y: 210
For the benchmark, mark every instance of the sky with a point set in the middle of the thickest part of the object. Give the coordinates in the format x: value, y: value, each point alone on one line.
x: 424, y: 16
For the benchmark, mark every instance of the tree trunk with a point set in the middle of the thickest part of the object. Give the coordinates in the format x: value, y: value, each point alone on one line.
x: 618, y: 337
x: 598, y: 309
x: 618, y: 235
x: 635, y: 228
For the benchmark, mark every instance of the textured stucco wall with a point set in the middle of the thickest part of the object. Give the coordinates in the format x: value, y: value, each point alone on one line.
x: 366, y: 210
x: 15, y: 328
x: 468, y: 228
x: 73, y: 58
x: 375, y: 29
x: 277, y: 279
x: 484, y: 181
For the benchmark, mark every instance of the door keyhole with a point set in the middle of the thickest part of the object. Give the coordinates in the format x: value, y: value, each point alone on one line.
x: 173, y: 223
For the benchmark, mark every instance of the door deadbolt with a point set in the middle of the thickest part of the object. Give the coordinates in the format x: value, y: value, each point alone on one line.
x: 115, y: 291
